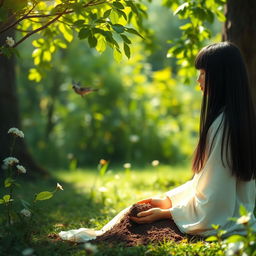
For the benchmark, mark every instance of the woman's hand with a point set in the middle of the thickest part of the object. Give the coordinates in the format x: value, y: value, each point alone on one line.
x: 163, y: 203
x: 151, y: 215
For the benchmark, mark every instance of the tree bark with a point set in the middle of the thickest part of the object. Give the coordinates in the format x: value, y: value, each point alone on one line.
x: 240, y: 28
x: 10, y: 115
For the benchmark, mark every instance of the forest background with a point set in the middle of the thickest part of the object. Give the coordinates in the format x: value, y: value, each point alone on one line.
x: 146, y: 108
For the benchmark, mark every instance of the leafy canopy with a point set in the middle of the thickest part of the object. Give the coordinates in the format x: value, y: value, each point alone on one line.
x: 103, y: 23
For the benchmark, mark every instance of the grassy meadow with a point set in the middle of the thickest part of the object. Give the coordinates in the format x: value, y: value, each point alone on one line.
x: 91, y: 198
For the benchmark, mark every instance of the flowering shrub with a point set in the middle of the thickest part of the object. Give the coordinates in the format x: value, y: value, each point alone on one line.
x: 13, y: 168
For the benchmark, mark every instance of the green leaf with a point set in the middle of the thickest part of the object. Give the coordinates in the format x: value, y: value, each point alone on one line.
x: 66, y: 31
x: 242, y: 210
x: 36, y: 43
x: 133, y: 7
x: 8, y: 182
x: 127, y: 51
x: 79, y: 23
x: 211, y: 239
x: 117, y: 54
x: 92, y: 40
x: 235, y: 238
x: 93, y: 16
x: 121, y: 13
x: 1, y: 201
x: 110, y: 39
x: 7, y: 198
x: 181, y: 8
x: 215, y: 226
x: 118, y: 5
x: 101, y: 44
x: 118, y: 28
x: 186, y: 26
x: 199, y: 13
x: 133, y: 31
x: 47, y: 56
x: 99, y: 31
x: 45, y: 195
x: 210, y: 16
x: 60, y: 43
x: 34, y: 75
x: 221, y: 17
x: 101, y: 20
x: 126, y: 39
x: 107, y: 13
x: 114, y: 17
x: 84, y: 33
x: 222, y: 232
x: 78, y: 7
x: 103, y: 169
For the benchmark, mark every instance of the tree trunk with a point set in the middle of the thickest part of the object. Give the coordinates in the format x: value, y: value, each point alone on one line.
x: 9, y: 114
x: 240, y: 28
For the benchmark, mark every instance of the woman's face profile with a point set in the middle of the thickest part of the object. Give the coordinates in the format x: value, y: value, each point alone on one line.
x: 201, y: 79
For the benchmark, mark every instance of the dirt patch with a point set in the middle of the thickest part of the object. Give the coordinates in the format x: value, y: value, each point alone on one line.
x: 129, y: 233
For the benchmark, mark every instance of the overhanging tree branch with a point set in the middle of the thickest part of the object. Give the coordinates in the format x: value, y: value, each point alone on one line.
x: 91, y: 3
x: 39, y: 29
x: 19, y: 20
x: 27, y: 16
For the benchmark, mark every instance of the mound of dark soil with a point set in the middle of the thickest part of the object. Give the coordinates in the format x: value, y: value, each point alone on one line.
x: 129, y: 233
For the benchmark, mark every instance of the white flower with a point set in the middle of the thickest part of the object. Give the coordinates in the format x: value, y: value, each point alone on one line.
x: 127, y: 165
x: 10, y: 41
x: 16, y: 132
x: 234, y: 248
x: 155, y: 163
x: 28, y: 252
x: 103, y: 189
x: 25, y: 212
x: 244, y: 219
x: 134, y: 138
x: 59, y: 186
x: 10, y: 161
x: 90, y: 248
x: 21, y: 168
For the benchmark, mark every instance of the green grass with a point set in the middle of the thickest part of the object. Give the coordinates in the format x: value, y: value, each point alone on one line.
x: 83, y: 204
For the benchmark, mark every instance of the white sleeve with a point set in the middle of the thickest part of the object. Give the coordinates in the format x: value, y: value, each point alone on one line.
x: 180, y: 193
x: 214, y: 196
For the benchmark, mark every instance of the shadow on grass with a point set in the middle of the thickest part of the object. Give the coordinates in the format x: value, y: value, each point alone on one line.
x: 68, y: 209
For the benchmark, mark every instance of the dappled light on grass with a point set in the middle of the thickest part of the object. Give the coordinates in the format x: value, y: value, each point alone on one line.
x: 74, y: 208
x: 119, y: 183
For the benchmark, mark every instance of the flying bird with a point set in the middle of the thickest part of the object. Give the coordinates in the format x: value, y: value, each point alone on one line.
x: 82, y: 90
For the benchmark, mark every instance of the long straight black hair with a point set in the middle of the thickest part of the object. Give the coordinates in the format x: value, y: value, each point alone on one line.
x: 227, y: 89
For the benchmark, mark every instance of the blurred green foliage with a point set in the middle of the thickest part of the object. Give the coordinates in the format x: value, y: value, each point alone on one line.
x: 141, y: 112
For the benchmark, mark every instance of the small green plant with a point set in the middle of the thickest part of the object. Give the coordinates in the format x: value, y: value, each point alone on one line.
x: 102, y: 169
x: 16, y: 209
x: 240, y: 245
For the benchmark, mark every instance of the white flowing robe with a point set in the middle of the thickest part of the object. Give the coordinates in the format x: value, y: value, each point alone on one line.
x: 213, y: 195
